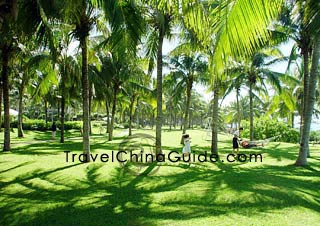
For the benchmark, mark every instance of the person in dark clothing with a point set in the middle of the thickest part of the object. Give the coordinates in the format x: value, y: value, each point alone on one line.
x: 54, y: 130
x: 235, y: 141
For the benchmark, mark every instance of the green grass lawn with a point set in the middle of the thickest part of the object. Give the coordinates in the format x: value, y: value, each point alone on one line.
x: 38, y: 187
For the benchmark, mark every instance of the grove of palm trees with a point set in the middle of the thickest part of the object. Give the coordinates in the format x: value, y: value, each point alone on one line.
x: 97, y: 96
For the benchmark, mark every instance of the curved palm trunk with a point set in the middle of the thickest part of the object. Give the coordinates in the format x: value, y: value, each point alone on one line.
x: 62, y: 119
x: 186, y: 111
x: 6, y: 103
x: 314, y: 73
x: 113, y: 113
x: 215, y: 112
x: 85, y: 99
x: 251, y: 111
x: 21, y: 93
x: 159, y: 91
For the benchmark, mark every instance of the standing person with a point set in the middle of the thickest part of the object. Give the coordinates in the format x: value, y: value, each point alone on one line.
x: 186, y: 151
x: 235, y: 140
x: 238, y: 132
x: 54, y: 130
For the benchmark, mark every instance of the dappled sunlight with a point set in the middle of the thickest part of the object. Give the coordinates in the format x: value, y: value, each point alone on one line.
x: 37, y: 185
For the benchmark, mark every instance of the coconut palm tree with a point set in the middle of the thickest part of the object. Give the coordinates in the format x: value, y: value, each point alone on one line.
x: 236, y: 29
x: 30, y: 65
x: 8, y: 20
x: 69, y: 71
x: 254, y: 72
x: 189, y: 69
x: 19, y: 17
x: 160, y: 27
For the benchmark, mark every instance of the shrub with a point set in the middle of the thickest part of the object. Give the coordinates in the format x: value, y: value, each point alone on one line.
x: 40, y: 125
x: 72, y: 125
x: 315, y: 136
x: 265, y: 128
x: 126, y: 125
x: 36, y: 124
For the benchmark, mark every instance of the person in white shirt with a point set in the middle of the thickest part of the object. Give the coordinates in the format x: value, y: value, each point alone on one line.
x: 186, y: 151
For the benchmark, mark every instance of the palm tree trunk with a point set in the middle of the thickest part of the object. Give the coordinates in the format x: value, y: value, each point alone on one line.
x: 6, y: 103
x: 171, y: 116
x: 108, y: 113
x: 85, y: 99
x: 251, y: 111
x: 131, y: 114
x: 238, y: 107
x: 1, y: 91
x: 186, y: 111
x: 90, y: 103
x: 314, y: 73
x: 20, y: 116
x: 62, y: 119
x: 6, y: 51
x: 159, y: 91
x: 113, y: 113
x: 215, y: 110
x: 152, y: 120
x: 305, y: 92
x: 292, y: 120
x: 46, y: 112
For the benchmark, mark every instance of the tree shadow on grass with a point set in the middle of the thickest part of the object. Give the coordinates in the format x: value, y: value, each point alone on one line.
x: 185, y: 193
x: 134, y: 200
x: 53, y: 148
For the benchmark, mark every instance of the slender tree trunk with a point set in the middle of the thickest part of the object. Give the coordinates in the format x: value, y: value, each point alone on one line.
x: 1, y: 91
x: 6, y: 103
x: 170, y: 127
x: 314, y: 73
x: 215, y: 119
x: 131, y: 114
x: 152, y: 120
x: 113, y: 113
x: 159, y: 91
x: 62, y: 118
x: 305, y: 97
x: 238, y: 108
x: 251, y: 112
x: 85, y: 98
x: 301, y: 118
x: 20, y: 116
x: 90, y: 103
x: 46, y: 112
x: 108, y: 118
x: 186, y: 111
x: 292, y: 120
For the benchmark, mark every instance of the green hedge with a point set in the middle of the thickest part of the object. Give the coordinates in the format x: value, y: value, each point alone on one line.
x: 315, y: 136
x: 40, y: 125
x: 265, y: 128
